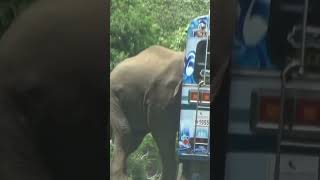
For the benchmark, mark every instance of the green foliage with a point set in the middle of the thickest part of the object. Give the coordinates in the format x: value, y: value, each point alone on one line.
x: 130, y: 32
x: 136, y: 25
x: 118, y: 55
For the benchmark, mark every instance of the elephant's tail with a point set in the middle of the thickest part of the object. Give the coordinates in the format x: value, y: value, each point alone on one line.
x: 111, y: 138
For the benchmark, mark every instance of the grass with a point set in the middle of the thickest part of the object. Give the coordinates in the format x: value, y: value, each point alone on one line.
x: 145, y: 162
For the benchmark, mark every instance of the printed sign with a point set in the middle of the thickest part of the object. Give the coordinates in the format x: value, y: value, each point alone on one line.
x: 203, y: 118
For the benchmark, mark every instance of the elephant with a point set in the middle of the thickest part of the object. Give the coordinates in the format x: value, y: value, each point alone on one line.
x: 53, y: 92
x: 145, y: 94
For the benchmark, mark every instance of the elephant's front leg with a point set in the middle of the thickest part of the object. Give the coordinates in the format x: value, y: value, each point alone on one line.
x: 163, y: 129
x: 125, y: 144
x: 126, y: 141
x: 166, y: 143
x: 118, y: 162
x: 120, y: 128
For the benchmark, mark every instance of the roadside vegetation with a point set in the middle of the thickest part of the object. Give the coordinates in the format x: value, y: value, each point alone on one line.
x: 136, y: 25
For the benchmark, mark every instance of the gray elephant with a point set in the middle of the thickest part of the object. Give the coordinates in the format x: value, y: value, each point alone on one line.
x: 53, y: 71
x: 145, y: 97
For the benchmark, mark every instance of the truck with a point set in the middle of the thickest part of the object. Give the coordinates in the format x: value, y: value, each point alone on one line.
x: 194, y: 132
x: 273, y: 122
x: 274, y: 102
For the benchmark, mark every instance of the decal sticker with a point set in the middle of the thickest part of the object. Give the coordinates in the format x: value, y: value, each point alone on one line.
x: 194, y: 140
x: 250, y: 48
x: 189, y: 68
x: 199, y: 27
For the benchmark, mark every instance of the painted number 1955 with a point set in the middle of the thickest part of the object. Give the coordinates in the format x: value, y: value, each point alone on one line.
x: 203, y: 122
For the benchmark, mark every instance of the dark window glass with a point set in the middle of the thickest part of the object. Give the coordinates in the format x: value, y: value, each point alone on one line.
x: 200, y: 59
x: 286, y: 18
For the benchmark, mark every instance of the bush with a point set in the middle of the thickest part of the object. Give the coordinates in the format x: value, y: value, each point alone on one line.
x: 137, y: 25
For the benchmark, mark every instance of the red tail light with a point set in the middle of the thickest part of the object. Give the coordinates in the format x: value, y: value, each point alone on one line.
x: 308, y: 112
x: 203, y: 98
x: 270, y: 109
x: 193, y: 96
x: 301, y: 112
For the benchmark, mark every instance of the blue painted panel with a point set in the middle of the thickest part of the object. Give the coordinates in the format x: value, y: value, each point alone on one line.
x: 197, y: 31
x: 250, y: 45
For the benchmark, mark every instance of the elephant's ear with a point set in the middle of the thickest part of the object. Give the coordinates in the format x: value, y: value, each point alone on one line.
x: 174, y: 96
x: 162, y: 94
x: 165, y: 89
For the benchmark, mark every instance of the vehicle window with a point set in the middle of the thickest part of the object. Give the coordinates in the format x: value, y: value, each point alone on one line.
x: 200, y: 60
x: 285, y: 32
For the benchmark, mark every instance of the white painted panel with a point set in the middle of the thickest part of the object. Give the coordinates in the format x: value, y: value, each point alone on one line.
x: 260, y: 166
x: 298, y: 167
x: 248, y: 166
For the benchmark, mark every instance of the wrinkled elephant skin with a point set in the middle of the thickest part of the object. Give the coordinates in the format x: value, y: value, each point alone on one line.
x: 145, y: 93
x: 53, y: 72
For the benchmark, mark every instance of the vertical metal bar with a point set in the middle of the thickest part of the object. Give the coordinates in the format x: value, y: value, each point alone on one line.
x: 283, y: 86
x: 279, y: 135
x: 205, y: 62
x: 209, y: 135
x: 280, y: 125
x: 196, y: 120
x: 304, y: 26
x: 208, y: 36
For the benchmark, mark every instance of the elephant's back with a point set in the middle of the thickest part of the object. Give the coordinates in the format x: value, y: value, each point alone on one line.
x: 151, y: 61
x: 159, y: 55
x: 143, y: 69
